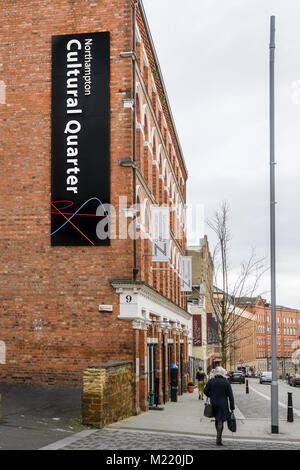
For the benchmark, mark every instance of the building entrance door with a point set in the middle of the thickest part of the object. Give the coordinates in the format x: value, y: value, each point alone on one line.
x: 151, y: 372
x: 163, y: 369
x: 181, y: 367
x: 170, y: 361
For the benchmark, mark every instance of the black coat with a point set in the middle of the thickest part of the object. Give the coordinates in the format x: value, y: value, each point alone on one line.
x: 219, y: 391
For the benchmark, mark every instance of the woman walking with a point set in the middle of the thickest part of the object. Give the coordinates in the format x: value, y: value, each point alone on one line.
x: 201, y: 377
x: 219, y: 390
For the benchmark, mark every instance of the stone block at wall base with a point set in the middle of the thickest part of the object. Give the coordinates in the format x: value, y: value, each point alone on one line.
x: 107, y: 393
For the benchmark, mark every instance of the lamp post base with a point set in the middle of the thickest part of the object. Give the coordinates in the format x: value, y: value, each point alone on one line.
x: 275, y: 429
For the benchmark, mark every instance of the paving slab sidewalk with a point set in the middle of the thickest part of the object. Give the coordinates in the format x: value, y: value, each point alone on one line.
x: 186, y: 416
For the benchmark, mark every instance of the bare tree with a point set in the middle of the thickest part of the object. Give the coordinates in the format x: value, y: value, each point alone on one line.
x: 232, y: 318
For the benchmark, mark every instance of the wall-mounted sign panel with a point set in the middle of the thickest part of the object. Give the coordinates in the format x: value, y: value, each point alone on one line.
x: 160, y: 234
x: 80, y: 170
x: 197, y: 330
x: 186, y: 273
x: 105, y: 308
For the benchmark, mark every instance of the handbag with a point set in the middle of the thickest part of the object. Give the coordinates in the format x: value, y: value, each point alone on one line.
x: 208, y: 409
x: 231, y: 422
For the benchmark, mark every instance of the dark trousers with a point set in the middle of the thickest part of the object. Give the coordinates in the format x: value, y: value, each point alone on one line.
x: 219, y: 427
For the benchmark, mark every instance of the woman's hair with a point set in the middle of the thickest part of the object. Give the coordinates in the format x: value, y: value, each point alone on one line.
x: 220, y: 371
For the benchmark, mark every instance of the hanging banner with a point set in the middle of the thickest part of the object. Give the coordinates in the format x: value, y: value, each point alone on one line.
x: 160, y: 234
x: 209, y: 327
x: 214, y: 330
x: 197, y: 330
x: 186, y: 273
x: 80, y: 155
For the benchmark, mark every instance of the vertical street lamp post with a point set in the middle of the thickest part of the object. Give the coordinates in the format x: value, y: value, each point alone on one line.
x: 274, y: 386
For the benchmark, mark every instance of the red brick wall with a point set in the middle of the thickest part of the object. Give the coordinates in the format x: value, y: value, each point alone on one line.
x: 56, y: 288
x: 155, y: 177
x: 263, y: 329
x: 49, y: 312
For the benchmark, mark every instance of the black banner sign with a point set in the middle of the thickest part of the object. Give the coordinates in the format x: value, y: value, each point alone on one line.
x: 80, y: 173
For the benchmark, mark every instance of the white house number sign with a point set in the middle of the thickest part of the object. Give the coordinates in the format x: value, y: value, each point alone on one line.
x: 128, y: 298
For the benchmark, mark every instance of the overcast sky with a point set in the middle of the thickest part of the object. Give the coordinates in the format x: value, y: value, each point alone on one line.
x: 214, y: 56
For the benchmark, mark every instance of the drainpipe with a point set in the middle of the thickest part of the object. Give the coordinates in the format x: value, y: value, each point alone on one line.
x: 135, y: 268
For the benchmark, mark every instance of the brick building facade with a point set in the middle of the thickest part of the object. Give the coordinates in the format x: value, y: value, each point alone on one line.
x: 242, y: 351
x: 206, y: 350
x: 50, y: 321
x: 287, y: 333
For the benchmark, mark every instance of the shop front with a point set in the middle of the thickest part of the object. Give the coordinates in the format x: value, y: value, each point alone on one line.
x: 161, y: 331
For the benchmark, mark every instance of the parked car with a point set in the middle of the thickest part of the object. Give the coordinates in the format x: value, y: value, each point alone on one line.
x: 295, y: 380
x: 236, y: 377
x: 266, y: 377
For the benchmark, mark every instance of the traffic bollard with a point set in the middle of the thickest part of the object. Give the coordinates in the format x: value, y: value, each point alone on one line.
x: 247, y: 387
x: 290, y: 416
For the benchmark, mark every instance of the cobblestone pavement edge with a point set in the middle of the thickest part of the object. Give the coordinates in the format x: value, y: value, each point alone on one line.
x: 117, y: 439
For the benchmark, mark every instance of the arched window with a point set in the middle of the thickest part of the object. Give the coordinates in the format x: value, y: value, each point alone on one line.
x: 146, y: 126
x: 140, y: 203
x: 138, y: 109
